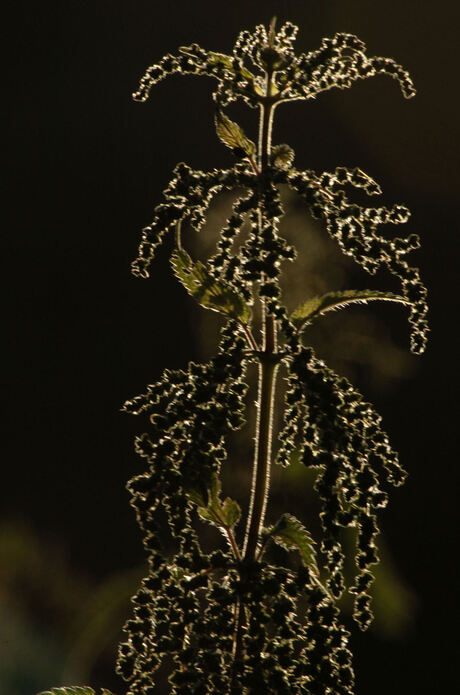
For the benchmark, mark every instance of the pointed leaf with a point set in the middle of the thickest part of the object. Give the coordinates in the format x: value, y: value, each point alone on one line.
x: 282, y: 156
x: 214, y: 58
x: 215, y: 490
x: 227, y: 62
x: 210, y: 514
x: 211, y: 511
x: 290, y: 533
x: 336, y: 300
x: 74, y: 690
x: 232, y: 135
x: 207, y: 291
x: 224, y: 515
x: 200, y: 497
x: 221, y: 59
x: 231, y: 512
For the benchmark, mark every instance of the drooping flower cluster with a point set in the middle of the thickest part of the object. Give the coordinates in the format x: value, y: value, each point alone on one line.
x: 339, y: 62
x: 191, y: 414
x: 340, y: 434
x: 355, y: 229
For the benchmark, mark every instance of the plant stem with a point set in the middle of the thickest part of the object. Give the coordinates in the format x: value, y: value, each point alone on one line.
x: 250, y: 338
x: 265, y: 126
x: 266, y: 391
x: 267, y: 375
x: 262, y: 457
x: 233, y: 544
x: 237, y: 640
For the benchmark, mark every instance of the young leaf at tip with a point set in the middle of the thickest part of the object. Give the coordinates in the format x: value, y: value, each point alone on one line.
x: 217, y: 59
x: 332, y: 301
x: 224, y: 515
x: 282, y: 156
x: 210, y: 293
x: 226, y: 61
x: 232, y: 135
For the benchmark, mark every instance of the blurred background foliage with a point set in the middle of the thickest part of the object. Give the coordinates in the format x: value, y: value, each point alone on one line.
x: 86, y: 166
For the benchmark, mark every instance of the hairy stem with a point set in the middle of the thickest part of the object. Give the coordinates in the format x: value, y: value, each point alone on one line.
x: 237, y: 641
x: 267, y: 375
x: 262, y: 457
x: 268, y: 367
x: 250, y: 338
x: 232, y: 542
x: 265, y: 126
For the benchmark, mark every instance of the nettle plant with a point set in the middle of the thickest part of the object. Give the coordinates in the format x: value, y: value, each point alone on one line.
x: 230, y: 621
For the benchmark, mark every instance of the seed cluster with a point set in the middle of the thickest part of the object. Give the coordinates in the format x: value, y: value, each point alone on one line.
x: 354, y: 227
x: 339, y: 62
x: 187, y: 196
x: 191, y: 414
x: 189, y: 609
x: 285, y: 654
x: 340, y: 434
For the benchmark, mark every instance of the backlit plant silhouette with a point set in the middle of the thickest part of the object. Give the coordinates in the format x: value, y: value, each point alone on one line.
x: 230, y: 621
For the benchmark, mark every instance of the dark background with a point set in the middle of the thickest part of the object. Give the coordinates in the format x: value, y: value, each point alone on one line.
x: 85, y: 168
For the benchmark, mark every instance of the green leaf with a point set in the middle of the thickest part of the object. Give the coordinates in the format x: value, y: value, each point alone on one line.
x: 207, y: 291
x: 221, y: 59
x: 227, y: 62
x: 211, y: 514
x: 290, y: 533
x: 214, y: 58
x: 74, y: 690
x: 196, y: 495
x: 231, y: 512
x: 336, y: 300
x: 282, y: 156
x: 232, y: 135
x: 224, y: 515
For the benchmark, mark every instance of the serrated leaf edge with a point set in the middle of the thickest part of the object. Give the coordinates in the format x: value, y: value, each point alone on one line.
x: 215, y: 511
x: 232, y: 135
x: 73, y: 690
x: 197, y: 280
x: 289, y: 522
x: 339, y: 300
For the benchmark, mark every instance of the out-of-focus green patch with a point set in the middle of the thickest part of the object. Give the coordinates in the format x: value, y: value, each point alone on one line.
x: 37, y: 587
x: 98, y: 623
